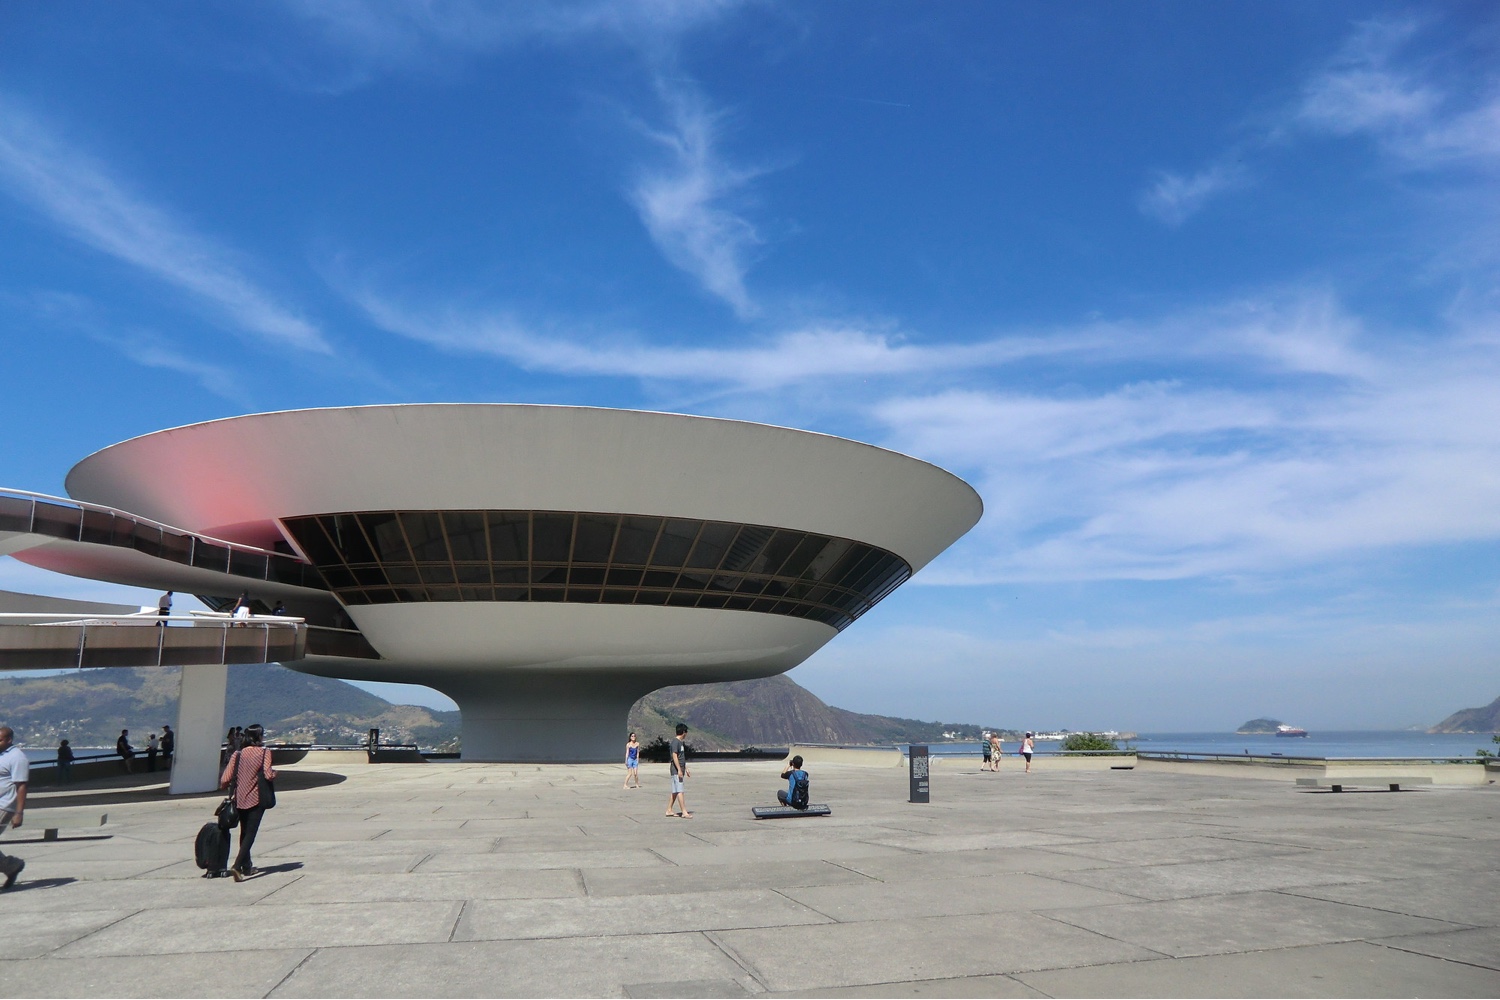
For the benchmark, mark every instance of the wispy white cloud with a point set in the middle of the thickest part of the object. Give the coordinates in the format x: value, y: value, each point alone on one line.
x: 685, y: 203
x: 825, y: 350
x: 79, y: 196
x: 1195, y: 476
x: 1174, y: 197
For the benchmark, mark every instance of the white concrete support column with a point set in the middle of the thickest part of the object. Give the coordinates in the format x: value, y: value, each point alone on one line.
x: 200, y: 728
x: 578, y: 718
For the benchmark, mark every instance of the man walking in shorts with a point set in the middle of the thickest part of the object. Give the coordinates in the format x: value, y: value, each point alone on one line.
x: 679, y: 774
x: 15, y: 775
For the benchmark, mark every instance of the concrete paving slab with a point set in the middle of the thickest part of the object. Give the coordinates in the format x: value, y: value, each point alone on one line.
x: 516, y: 883
x: 713, y: 878
x: 326, y: 925
x: 1468, y: 898
x: 565, y: 967
x: 231, y: 974
x: 1172, y: 850
x: 1000, y: 987
x: 1010, y: 895
x: 1210, y: 925
x: 966, y: 864
x: 638, y: 858
x: 1209, y: 878
x: 925, y: 948
x: 1356, y: 969
x: 1479, y: 946
x: 30, y: 937
x: 705, y: 988
x: 36, y: 897
x: 827, y: 850
x: 496, y: 920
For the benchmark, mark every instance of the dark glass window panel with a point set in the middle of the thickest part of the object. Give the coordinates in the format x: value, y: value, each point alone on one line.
x: 694, y: 581
x: 466, y: 535
x: 737, y: 603
x: 595, y: 538
x: 860, y: 570
x: 510, y: 536
x: 511, y: 574
x: 676, y: 540
x: 746, y: 546
x: 652, y: 597
x: 241, y: 563
x: 61, y: 522
x: 475, y: 593
x: 763, y: 605
x: 179, y: 549
x: 583, y: 595
x: 383, y: 531
x: 15, y: 514
x: 588, y: 576
x: 751, y: 585
x: 725, y: 584
x: 381, y: 595
x: 410, y: 595
x: 347, y: 537
x: 148, y: 540
x: 439, y: 573
x: 552, y: 575
x: 444, y: 594
x: 312, y: 540
x: 402, y: 574
x: 846, y: 563
x: 617, y: 597
x: 682, y: 600
x: 801, y: 557
x: 547, y: 594
x: 511, y: 593
x: 775, y: 588
x: 338, y: 577
x: 657, y: 578
x: 771, y: 558
x: 709, y: 600
x: 207, y: 555
x: 551, y: 537
x: 713, y: 542
x: 833, y: 550
x: 98, y: 527
x: 370, y: 576
x: 636, y: 540
x: 623, y: 578
x: 473, y: 573
x: 424, y: 533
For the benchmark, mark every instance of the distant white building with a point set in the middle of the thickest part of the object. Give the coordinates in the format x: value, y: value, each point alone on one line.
x: 544, y: 566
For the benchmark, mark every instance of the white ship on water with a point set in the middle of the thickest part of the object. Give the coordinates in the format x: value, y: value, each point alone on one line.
x: 1285, y: 730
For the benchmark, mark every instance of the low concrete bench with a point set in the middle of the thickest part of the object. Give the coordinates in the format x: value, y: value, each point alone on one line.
x: 787, y: 812
x: 1337, y: 783
x: 52, y: 833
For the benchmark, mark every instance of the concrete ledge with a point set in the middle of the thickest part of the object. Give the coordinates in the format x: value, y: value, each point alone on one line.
x: 1391, y: 781
x: 863, y: 756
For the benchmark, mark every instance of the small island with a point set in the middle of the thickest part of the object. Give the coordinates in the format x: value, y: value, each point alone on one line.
x: 1259, y: 727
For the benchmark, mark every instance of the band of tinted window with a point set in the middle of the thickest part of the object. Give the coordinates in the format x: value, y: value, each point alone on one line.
x: 384, y: 557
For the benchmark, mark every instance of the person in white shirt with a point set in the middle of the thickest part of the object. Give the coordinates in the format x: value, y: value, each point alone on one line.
x: 15, y: 775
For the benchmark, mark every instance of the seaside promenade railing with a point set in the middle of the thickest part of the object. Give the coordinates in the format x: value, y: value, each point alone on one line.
x: 79, y: 521
x: 1302, y: 759
x: 54, y: 640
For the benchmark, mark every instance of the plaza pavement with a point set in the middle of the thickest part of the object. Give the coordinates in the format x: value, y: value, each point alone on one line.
x: 504, y: 880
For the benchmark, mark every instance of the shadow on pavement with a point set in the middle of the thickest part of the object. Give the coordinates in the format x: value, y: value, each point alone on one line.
x: 58, y: 799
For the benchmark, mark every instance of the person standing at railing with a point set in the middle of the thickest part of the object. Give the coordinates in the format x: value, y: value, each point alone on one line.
x: 64, y: 763
x: 168, y: 744
x: 152, y: 747
x: 126, y: 751
x: 241, y: 610
x: 164, y: 606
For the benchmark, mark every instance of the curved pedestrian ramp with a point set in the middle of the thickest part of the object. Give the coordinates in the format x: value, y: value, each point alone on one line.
x: 62, y: 641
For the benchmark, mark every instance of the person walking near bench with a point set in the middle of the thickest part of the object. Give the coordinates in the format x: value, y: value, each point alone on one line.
x: 15, y: 775
x: 679, y: 774
x: 796, y: 791
x: 242, y: 775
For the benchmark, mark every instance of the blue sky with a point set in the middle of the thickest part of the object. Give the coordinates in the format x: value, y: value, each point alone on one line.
x: 1200, y: 297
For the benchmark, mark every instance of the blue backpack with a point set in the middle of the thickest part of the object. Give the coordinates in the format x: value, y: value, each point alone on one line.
x: 799, y: 791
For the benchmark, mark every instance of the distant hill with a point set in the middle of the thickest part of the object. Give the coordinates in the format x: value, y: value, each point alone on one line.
x: 90, y: 707
x: 773, y: 711
x: 1472, y: 720
x: 1258, y: 726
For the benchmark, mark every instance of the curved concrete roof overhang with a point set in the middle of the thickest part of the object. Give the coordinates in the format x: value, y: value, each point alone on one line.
x: 235, y: 477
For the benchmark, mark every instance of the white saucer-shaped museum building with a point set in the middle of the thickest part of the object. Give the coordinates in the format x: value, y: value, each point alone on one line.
x: 545, y: 566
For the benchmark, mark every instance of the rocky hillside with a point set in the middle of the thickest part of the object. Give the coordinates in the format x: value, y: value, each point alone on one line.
x: 1256, y: 727
x: 1472, y: 720
x: 772, y: 711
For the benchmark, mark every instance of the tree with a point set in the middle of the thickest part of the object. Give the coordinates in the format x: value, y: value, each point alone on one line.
x: 1088, y: 741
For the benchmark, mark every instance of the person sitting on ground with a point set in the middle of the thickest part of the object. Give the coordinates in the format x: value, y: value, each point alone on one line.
x: 795, y: 793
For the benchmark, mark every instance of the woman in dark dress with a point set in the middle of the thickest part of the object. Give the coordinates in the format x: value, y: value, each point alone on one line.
x: 242, y: 776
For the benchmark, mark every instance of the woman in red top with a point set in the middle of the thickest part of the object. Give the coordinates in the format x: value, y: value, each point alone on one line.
x: 244, y: 769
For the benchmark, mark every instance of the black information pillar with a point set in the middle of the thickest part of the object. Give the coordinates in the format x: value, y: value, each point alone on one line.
x: 917, y: 761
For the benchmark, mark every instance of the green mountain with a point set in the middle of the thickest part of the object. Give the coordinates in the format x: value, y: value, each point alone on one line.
x: 90, y: 707
x: 1472, y: 720
x: 1258, y: 727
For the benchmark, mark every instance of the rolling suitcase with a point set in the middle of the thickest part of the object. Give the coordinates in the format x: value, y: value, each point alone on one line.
x: 212, y: 850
